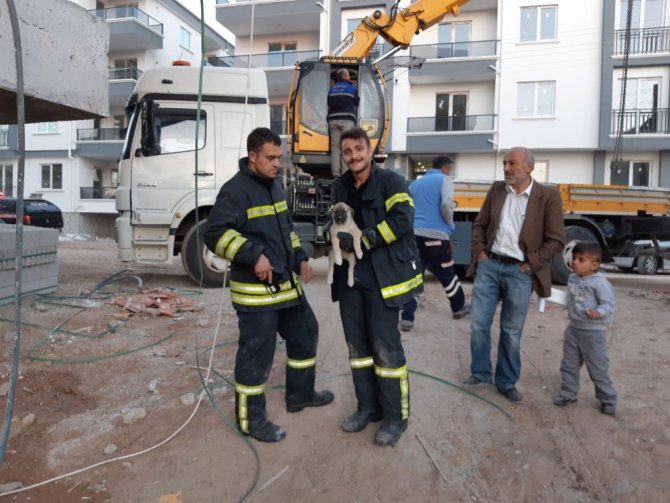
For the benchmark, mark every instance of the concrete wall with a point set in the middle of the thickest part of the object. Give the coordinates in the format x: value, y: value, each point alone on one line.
x: 64, y: 59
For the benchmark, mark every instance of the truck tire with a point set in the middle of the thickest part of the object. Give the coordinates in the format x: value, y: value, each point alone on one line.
x: 561, y: 263
x: 204, y: 267
x: 647, y: 264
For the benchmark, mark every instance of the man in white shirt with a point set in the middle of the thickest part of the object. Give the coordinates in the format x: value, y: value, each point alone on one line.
x: 511, y: 258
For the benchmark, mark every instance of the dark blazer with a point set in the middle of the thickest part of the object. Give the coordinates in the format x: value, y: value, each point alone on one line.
x: 542, y: 234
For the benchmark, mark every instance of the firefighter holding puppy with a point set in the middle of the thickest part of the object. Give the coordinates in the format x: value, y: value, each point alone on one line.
x: 386, y: 277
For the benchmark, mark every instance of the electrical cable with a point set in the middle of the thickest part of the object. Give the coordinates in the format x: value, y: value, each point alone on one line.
x: 21, y: 121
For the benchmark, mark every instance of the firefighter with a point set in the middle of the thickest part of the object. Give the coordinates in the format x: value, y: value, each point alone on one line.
x: 250, y: 225
x: 385, y: 278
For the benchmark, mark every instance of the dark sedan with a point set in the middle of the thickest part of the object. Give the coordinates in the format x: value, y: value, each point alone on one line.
x: 36, y: 212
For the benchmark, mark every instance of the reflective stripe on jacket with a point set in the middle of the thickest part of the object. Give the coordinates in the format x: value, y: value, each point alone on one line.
x: 250, y: 218
x: 389, y: 210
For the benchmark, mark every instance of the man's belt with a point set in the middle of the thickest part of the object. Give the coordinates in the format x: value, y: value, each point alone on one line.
x: 503, y: 259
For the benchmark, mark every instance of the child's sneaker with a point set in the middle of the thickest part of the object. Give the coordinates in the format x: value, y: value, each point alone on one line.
x: 608, y: 408
x: 562, y: 401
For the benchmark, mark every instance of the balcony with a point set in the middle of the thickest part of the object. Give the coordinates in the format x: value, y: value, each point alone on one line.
x: 455, y: 62
x: 121, y: 85
x: 643, y: 41
x: 101, y: 143
x: 465, y: 133
x: 97, y: 192
x: 278, y: 66
x: 641, y: 121
x: 131, y: 29
x: 278, y: 17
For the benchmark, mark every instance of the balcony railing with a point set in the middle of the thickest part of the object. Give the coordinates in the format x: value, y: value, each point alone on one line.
x: 641, y: 121
x: 4, y: 138
x: 131, y: 73
x: 267, y: 60
x: 446, y: 123
x: 97, y: 192
x: 643, y: 41
x: 101, y: 134
x: 223, y: 2
x: 7, y: 190
x: 455, y: 50
x: 278, y: 127
x: 128, y: 12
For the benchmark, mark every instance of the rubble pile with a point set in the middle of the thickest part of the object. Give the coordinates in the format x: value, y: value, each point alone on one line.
x: 156, y: 302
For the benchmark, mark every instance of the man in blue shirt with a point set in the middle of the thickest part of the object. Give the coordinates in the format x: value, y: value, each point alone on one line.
x: 342, y: 111
x: 433, y: 196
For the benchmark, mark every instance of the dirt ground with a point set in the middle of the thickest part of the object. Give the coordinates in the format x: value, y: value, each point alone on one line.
x: 460, y: 445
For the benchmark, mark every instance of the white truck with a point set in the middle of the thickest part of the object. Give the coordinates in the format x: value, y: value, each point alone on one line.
x: 165, y: 191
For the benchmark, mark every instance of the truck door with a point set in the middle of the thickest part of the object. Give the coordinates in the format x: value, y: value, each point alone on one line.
x: 166, y: 174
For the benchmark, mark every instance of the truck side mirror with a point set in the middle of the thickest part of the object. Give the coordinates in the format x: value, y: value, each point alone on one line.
x: 148, y: 140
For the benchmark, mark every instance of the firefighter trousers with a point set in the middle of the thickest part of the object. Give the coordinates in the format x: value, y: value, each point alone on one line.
x: 297, y: 325
x: 376, y: 355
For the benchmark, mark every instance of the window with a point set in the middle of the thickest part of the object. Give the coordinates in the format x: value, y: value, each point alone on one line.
x: 47, y: 127
x: 646, y: 14
x: 277, y: 119
x: 451, y: 111
x: 535, y: 99
x: 4, y: 136
x: 540, y: 171
x: 52, y: 176
x: 538, y: 23
x: 282, y: 54
x: 175, y: 130
x: 631, y: 173
x: 184, y: 38
x: 7, y: 180
x: 453, y: 40
x: 125, y: 69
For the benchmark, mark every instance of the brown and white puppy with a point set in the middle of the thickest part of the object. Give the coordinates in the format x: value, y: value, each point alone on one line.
x: 342, y: 216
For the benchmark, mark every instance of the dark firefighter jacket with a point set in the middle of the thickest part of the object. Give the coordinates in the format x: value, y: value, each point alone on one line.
x: 250, y: 218
x: 388, y: 216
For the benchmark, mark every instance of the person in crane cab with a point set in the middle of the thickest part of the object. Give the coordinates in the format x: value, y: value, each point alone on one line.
x: 342, y: 113
x: 250, y: 225
x: 385, y: 278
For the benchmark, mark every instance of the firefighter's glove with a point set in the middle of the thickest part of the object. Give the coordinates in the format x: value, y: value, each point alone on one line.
x: 346, y: 241
x: 325, y: 233
x: 369, y: 239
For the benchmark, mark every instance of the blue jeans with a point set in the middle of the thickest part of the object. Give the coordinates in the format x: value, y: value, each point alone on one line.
x: 494, y: 282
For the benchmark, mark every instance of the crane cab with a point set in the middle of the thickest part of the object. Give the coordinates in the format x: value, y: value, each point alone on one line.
x: 308, y: 110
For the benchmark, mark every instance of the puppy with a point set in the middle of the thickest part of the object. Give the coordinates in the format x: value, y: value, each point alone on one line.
x: 342, y: 216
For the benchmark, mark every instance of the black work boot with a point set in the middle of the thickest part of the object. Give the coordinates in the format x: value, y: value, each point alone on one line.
x: 359, y: 420
x: 390, y: 432
x: 266, y: 431
x: 319, y: 399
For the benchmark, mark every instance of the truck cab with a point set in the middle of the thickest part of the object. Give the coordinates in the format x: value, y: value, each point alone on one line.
x: 180, y: 148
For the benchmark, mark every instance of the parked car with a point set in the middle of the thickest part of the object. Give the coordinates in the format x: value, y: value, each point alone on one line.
x: 644, y: 260
x: 37, y: 212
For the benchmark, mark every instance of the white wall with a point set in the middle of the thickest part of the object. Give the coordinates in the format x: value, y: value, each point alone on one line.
x: 571, y: 167
x: 63, y: 198
x: 573, y: 62
x: 480, y: 97
x: 307, y: 41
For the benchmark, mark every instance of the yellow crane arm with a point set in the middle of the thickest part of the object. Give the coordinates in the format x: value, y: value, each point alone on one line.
x: 397, y: 28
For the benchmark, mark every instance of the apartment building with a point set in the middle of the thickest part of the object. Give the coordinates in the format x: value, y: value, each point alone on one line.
x: 540, y: 73
x: 74, y: 164
x: 544, y: 74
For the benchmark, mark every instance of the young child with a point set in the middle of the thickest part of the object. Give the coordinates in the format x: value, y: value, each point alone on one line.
x: 590, y: 307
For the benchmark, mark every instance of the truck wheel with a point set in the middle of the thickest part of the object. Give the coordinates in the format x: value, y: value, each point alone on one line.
x: 202, y: 266
x: 647, y: 264
x: 561, y: 263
